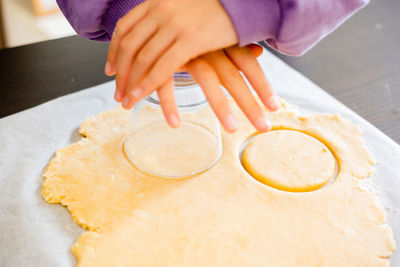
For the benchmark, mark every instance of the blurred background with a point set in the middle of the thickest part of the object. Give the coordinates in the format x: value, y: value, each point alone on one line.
x: 29, y: 21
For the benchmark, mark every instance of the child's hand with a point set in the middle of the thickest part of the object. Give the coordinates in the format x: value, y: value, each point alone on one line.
x: 222, y: 68
x: 156, y: 38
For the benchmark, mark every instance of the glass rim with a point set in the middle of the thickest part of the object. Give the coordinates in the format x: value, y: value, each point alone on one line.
x: 219, y: 153
x: 196, y: 104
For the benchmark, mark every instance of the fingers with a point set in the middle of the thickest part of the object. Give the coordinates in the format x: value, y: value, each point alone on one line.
x: 168, y: 104
x: 166, y: 65
x: 122, y: 28
x: 152, y: 50
x: 205, y: 75
x: 231, y: 79
x: 129, y: 46
x: 247, y: 63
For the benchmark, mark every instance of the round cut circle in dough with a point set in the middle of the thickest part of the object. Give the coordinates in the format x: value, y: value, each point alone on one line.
x: 289, y: 160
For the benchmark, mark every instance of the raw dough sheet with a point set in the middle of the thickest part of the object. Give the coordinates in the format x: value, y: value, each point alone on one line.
x: 34, y: 233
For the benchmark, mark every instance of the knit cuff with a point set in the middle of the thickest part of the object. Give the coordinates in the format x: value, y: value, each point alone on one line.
x: 254, y: 20
x: 116, y: 10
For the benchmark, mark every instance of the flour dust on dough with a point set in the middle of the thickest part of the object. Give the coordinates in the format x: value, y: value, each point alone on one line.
x: 222, y: 217
x: 289, y: 160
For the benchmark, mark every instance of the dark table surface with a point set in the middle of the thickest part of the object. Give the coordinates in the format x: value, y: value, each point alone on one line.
x: 359, y: 64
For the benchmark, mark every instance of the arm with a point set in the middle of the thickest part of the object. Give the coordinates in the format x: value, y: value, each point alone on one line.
x: 95, y: 19
x: 290, y: 26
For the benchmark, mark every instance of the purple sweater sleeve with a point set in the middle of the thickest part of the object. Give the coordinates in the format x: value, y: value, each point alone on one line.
x: 290, y: 26
x: 95, y: 19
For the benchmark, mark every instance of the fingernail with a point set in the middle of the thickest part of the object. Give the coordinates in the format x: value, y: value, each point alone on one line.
x: 262, y: 124
x: 273, y: 103
x: 137, y: 92
x: 125, y: 103
x: 117, y: 96
x: 107, y: 69
x: 173, y: 120
x: 230, y: 123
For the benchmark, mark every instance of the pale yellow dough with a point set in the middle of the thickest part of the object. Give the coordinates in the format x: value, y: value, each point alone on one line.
x: 222, y: 217
x: 289, y: 160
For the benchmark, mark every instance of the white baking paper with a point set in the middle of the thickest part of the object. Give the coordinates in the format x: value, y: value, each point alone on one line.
x: 34, y: 233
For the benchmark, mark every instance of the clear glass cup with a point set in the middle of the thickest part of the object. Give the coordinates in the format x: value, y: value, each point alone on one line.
x: 159, y: 150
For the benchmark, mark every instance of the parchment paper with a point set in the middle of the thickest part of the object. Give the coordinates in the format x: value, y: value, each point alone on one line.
x: 34, y: 233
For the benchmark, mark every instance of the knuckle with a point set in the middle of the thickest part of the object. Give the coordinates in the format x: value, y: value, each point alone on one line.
x: 119, y: 27
x: 142, y: 60
x: 125, y: 44
x: 166, y: 6
x: 149, y: 82
x: 232, y: 76
x: 177, y: 24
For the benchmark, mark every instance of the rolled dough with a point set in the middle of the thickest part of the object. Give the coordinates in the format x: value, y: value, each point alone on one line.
x: 222, y: 217
x: 289, y: 160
